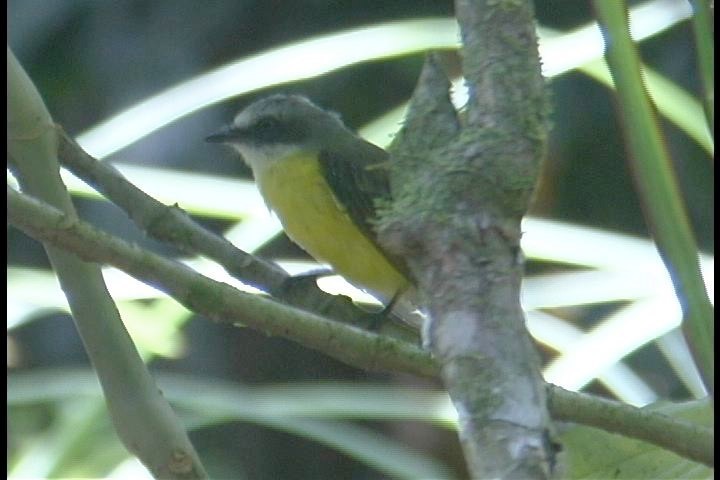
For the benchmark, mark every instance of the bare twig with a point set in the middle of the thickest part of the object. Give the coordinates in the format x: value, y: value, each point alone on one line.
x: 687, y: 439
x: 362, y: 349
x: 142, y: 418
x: 170, y: 224
x: 216, y: 300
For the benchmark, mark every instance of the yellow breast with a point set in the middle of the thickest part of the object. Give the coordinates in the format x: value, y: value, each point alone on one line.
x: 294, y: 188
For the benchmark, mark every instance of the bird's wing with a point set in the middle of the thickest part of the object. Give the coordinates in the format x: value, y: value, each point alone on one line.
x: 358, y: 183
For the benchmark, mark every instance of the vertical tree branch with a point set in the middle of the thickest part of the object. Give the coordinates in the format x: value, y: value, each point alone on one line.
x: 142, y: 418
x: 460, y: 188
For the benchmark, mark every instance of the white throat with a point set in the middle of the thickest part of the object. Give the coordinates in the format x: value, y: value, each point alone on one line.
x: 259, y: 159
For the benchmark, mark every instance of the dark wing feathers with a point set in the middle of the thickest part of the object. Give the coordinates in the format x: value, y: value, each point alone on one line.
x: 357, y: 182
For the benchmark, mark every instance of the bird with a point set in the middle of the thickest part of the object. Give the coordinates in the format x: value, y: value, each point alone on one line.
x: 324, y: 183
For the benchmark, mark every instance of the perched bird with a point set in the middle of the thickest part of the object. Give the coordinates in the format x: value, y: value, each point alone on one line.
x: 323, y: 182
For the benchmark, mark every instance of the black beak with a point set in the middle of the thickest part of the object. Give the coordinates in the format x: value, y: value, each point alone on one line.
x: 223, y: 136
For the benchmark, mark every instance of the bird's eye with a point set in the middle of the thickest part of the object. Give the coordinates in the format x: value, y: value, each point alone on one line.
x: 266, y: 123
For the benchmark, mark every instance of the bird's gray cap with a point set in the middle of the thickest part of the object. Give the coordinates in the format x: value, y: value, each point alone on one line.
x: 283, y: 119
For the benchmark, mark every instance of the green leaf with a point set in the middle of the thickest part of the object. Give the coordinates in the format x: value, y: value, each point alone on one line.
x: 594, y: 453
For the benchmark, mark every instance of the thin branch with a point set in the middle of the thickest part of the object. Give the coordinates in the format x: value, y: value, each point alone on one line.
x: 351, y: 345
x: 170, y: 224
x: 687, y: 439
x: 143, y: 419
x: 216, y: 300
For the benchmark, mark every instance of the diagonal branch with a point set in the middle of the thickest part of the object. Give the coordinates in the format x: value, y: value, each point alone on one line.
x: 361, y: 349
x: 143, y: 419
x: 170, y: 224
x: 216, y: 300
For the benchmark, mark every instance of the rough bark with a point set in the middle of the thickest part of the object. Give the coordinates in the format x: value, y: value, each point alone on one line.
x: 461, y: 184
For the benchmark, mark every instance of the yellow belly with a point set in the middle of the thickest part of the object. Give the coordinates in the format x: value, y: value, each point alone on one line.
x: 295, y: 190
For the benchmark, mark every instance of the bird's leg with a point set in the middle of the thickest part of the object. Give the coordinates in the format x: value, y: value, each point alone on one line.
x: 380, y: 318
x: 302, y: 291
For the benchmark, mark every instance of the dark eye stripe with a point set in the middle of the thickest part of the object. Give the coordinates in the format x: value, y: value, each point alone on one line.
x: 270, y: 129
